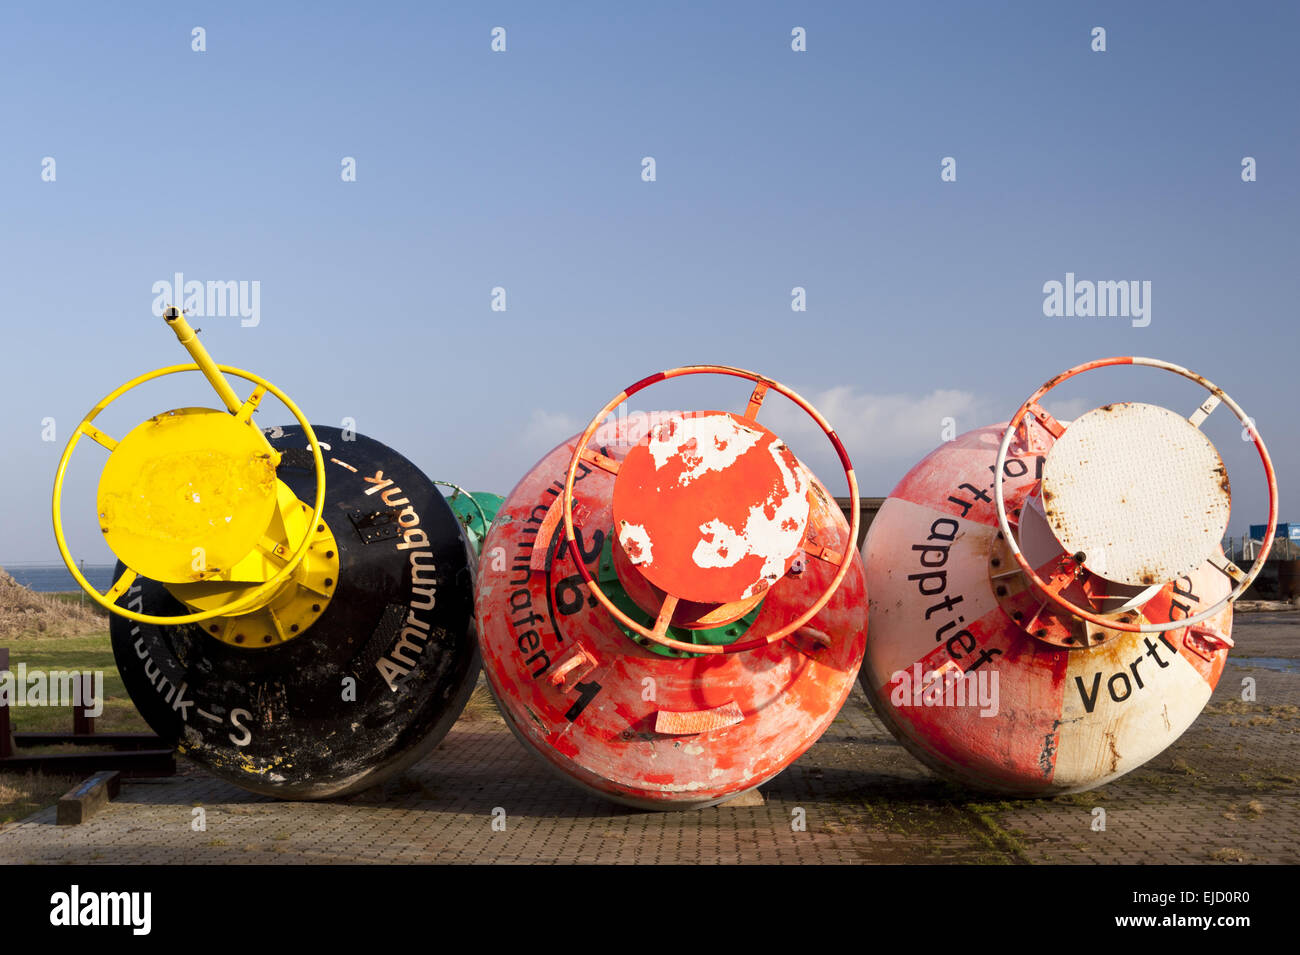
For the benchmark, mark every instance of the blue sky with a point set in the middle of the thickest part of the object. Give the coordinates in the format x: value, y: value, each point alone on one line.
x: 522, y: 170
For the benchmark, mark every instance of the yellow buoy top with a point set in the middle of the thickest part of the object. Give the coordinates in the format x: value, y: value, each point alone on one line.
x: 187, y: 494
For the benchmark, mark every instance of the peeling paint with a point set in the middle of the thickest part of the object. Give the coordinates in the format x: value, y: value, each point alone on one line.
x: 708, y: 443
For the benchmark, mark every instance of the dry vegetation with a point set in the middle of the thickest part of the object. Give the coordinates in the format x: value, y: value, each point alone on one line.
x: 23, y: 794
x: 26, y: 613
x: 481, y: 706
x: 38, y: 624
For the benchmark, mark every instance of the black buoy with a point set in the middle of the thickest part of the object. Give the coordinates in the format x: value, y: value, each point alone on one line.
x: 300, y: 651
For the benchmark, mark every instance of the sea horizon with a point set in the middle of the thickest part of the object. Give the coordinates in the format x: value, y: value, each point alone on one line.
x: 54, y: 577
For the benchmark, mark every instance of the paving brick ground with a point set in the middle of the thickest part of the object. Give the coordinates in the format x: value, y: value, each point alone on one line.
x: 1226, y: 792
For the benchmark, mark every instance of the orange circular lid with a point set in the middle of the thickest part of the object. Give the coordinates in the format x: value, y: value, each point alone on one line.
x: 711, y: 507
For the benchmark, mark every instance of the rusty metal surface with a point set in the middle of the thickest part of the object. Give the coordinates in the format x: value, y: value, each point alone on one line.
x: 1065, y: 719
x: 711, y: 508
x: 1139, y: 490
x: 606, y: 730
x: 656, y: 633
x: 1030, y: 410
x: 694, y: 722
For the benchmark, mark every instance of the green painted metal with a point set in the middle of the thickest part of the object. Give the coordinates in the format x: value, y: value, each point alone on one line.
x: 475, y: 510
x: 607, y: 577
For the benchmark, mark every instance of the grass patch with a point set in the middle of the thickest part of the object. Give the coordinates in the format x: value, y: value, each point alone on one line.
x: 85, y: 652
x: 1269, y: 784
x: 992, y: 833
x: 1280, y: 711
x: 930, y: 821
x: 1228, y: 855
x: 1089, y: 799
x: 58, y: 631
x: 61, y: 631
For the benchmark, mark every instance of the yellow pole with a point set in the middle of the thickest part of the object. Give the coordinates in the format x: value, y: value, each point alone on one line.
x: 176, y: 319
x: 190, y: 339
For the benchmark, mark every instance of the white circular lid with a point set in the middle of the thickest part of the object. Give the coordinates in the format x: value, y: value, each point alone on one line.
x: 1138, y: 490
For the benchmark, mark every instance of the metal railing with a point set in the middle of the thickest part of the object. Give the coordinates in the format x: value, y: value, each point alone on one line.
x: 1239, y: 549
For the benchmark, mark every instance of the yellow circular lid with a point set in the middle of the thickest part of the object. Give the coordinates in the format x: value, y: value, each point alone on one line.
x: 186, y: 494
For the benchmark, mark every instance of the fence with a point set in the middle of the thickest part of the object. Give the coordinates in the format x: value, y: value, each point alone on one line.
x: 1243, y: 548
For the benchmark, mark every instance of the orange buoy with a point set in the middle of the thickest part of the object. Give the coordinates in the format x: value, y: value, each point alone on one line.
x: 671, y: 618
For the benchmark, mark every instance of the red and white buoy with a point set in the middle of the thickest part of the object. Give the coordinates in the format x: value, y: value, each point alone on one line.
x: 1050, y: 605
x: 670, y: 619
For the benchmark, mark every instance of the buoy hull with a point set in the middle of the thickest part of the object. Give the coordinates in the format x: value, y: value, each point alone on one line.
x: 370, y: 687
x: 1032, y: 718
x: 651, y: 729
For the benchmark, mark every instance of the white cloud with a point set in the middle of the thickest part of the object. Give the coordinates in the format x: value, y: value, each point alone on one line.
x: 885, y: 433
x: 885, y: 426
x: 545, y: 429
x: 497, y: 460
